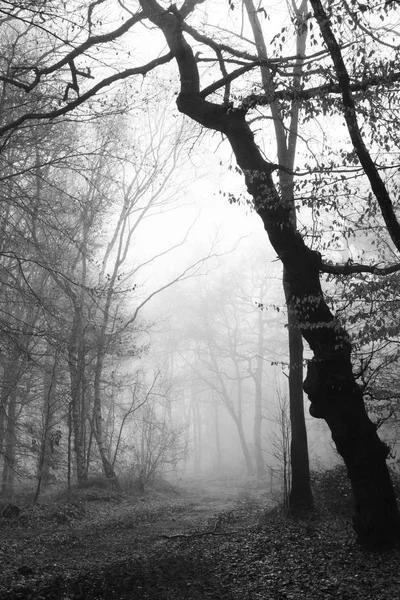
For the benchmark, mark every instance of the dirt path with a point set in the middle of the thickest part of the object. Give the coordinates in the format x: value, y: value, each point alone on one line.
x: 77, y: 548
x: 207, y: 540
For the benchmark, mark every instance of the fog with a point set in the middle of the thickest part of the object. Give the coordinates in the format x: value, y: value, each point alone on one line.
x: 215, y: 335
x: 160, y: 325
x: 162, y: 332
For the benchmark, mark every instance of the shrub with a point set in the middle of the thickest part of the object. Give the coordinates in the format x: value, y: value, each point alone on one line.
x: 157, y: 449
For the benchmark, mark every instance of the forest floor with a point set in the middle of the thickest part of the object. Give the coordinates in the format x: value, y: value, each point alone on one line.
x: 206, y: 539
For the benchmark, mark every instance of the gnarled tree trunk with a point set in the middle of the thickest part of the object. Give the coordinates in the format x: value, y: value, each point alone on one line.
x: 330, y: 384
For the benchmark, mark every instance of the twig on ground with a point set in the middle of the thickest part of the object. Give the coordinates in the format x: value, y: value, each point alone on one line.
x: 200, y: 533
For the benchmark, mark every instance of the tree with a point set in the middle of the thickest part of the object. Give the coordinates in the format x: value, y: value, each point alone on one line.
x: 227, y: 342
x: 281, y: 445
x: 330, y: 383
x: 357, y: 87
x: 300, y: 499
x: 212, y: 352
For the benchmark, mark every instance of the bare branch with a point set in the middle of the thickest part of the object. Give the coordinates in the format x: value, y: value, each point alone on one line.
x: 53, y: 114
x: 91, y: 41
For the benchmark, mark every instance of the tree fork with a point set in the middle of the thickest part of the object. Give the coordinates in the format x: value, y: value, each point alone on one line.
x: 330, y: 383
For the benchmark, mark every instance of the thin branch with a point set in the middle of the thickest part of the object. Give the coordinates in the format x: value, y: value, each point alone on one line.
x: 91, y: 41
x: 227, y: 79
x: 53, y: 114
x: 254, y: 100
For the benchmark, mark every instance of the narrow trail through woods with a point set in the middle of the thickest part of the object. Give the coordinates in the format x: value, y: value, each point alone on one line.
x: 94, y: 533
x: 206, y: 539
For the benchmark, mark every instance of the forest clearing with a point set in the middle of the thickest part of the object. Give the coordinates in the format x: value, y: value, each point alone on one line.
x: 221, y: 538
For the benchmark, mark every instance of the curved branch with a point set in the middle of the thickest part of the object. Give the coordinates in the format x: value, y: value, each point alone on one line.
x: 350, y: 268
x: 349, y: 112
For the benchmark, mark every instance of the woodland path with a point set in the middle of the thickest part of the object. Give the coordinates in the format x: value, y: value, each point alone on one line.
x: 84, y: 545
x: 206, y: 540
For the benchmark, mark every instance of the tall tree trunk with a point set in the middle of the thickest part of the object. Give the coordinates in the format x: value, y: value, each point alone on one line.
x: 69, y: 448
x: 244, y: 445
x: 238, y: 418
x: 195, y: 429
x: 98, y: 429
x: 47, y: 447
x: 258, y: 416
x: 300, y: 498
x: 218, y: 455
x: 330, y: 383
x: 76, y: 364
x: 13, y: 368
x: 4, y: 397
x: 8, y: 479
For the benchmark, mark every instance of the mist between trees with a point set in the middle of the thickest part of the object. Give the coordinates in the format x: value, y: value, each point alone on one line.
x: 131, y: 356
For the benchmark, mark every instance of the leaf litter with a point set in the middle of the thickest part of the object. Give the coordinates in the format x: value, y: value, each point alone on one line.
x: 188, y: 544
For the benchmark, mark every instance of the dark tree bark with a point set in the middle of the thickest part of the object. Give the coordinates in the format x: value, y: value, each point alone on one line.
x: 300, y: 497
x: 330, y: 384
